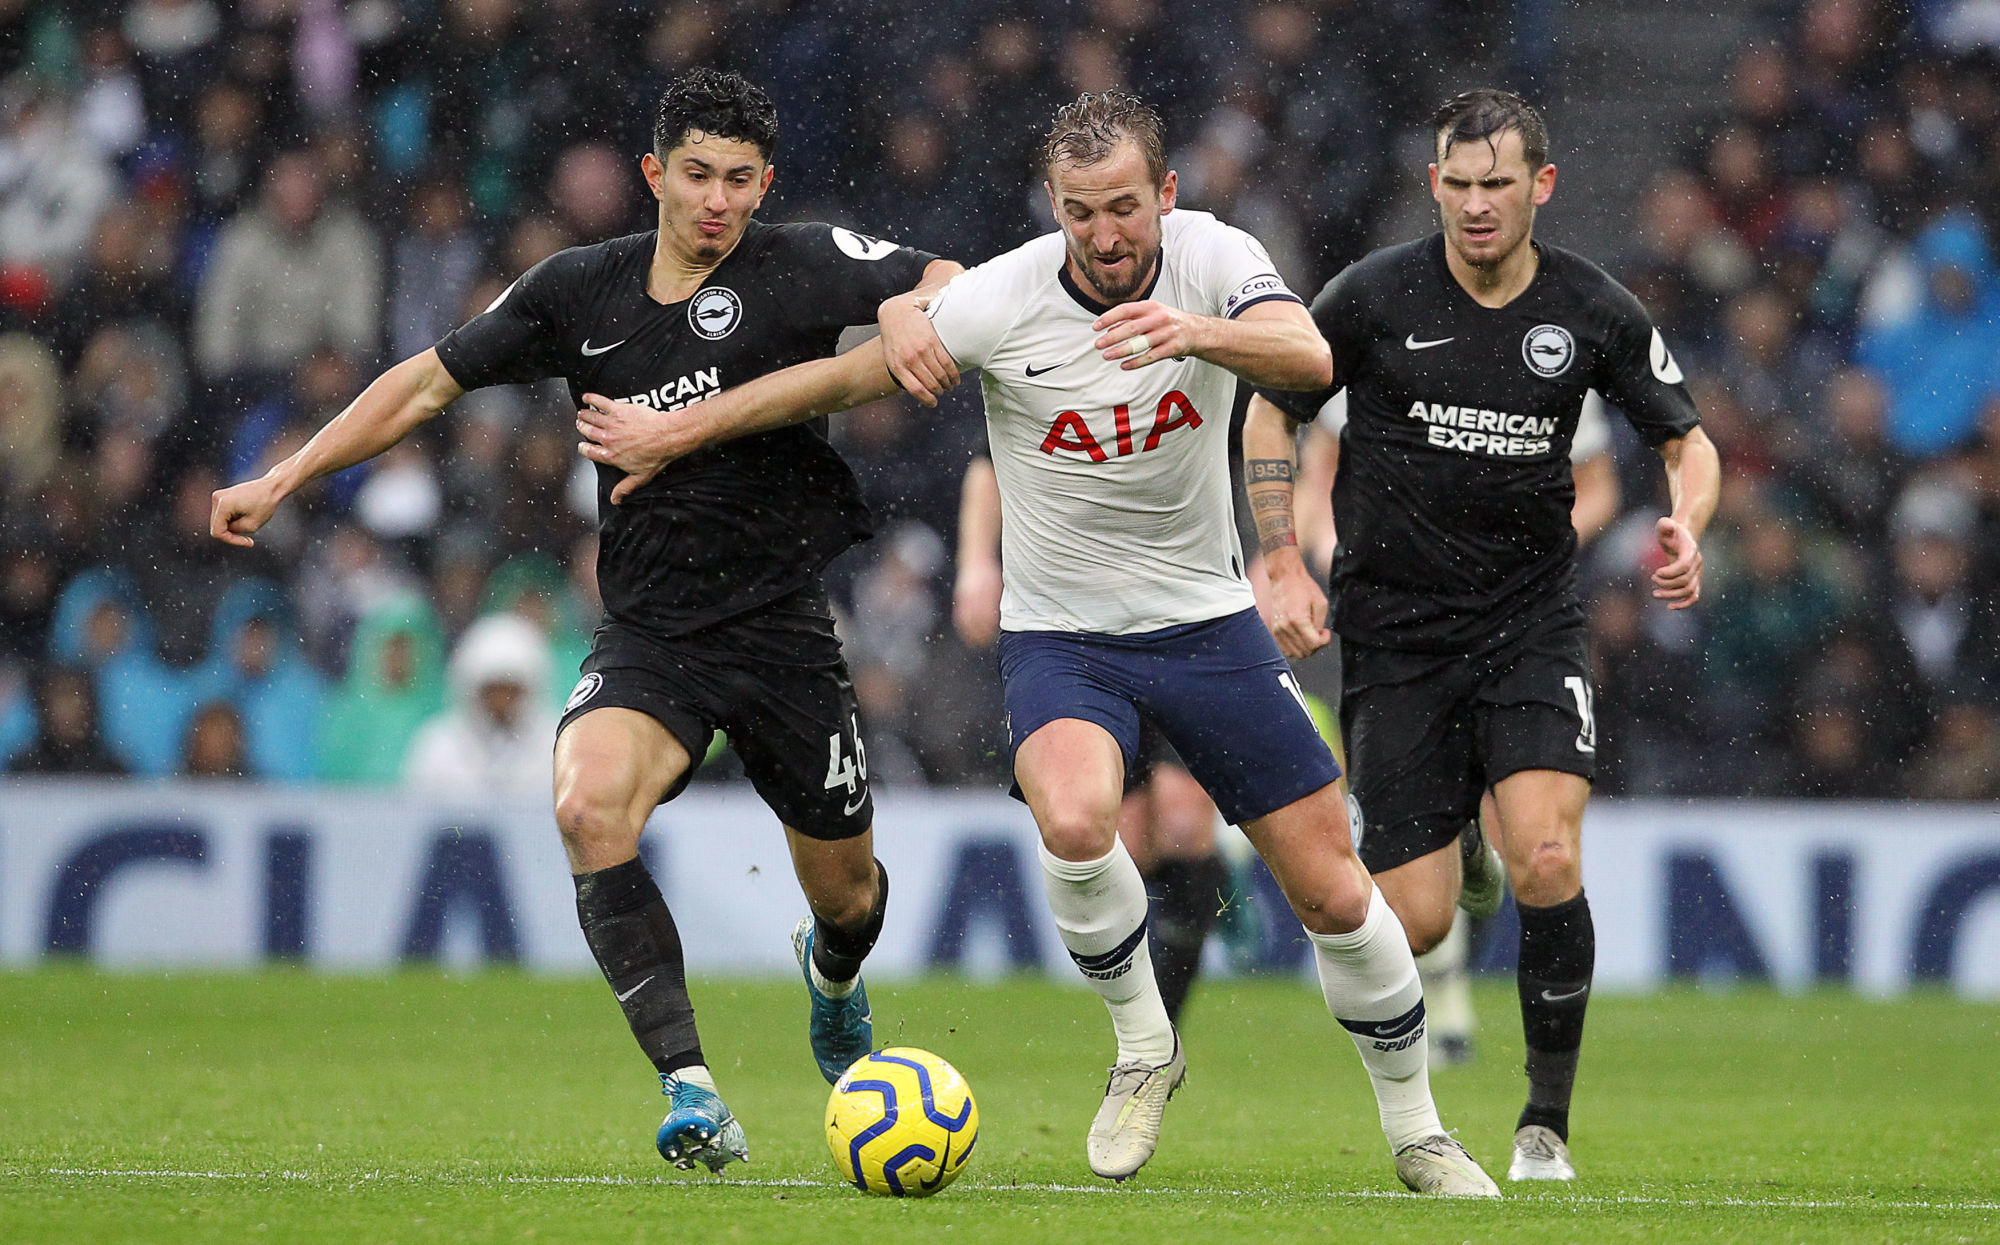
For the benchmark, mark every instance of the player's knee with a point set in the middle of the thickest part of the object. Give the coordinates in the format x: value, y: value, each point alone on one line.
x: 845, y: 899
x: 1426, y: 930
x: 1338, y: 905
x: 1077, y: 829
x: 1551, y: 874
x: 597, y: 831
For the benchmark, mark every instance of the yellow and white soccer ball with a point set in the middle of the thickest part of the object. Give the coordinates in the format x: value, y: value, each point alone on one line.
x: 901, y: 1123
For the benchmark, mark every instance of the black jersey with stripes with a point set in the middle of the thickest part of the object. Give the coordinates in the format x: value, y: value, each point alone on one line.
x: 1453, y: 498
x: 735, y: 526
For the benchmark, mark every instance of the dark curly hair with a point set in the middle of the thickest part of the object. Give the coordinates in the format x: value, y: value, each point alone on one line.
x: 726, y: 105
x: 1485, y: 114
x: 1088, y: 130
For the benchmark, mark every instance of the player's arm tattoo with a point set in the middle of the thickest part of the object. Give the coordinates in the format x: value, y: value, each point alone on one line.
x: 1269, y: 484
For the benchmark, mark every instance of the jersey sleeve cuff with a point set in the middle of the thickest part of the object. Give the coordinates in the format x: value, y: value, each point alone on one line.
x: 1283, y: 296
x: 1304, y: 407
x: 454, y: 367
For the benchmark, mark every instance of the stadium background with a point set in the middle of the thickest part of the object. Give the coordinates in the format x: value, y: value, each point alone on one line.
x: 218, y: 220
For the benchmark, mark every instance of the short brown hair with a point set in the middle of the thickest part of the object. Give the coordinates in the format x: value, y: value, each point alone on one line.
x: 1483, y: 115
x: 1089, y: 129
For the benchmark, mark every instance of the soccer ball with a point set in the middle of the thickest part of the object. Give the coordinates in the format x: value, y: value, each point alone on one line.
x: 901, y: 1123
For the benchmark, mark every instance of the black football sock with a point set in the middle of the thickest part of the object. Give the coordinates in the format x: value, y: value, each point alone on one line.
x: 1558, y: 951
x: 632, y: 934
x: 1187, y: 895
x: 837, y: 952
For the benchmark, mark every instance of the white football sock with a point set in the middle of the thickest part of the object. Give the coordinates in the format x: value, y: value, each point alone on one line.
x: 1100, y: 907
x: 1447, y: 986
x: 1371, y: 986
x: 697, y: 1074
x: 829, y: 987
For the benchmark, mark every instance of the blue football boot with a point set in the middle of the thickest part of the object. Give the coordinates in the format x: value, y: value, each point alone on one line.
x: 699, y: 1128
x: 840, y: 1029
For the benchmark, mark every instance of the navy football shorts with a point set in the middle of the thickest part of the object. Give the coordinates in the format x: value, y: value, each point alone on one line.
x: 1219, y: 691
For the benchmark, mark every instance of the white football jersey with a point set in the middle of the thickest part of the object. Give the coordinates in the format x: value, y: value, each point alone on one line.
x: 1116, y: 499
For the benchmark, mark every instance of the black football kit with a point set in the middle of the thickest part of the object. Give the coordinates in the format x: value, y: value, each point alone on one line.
x: 1453, y: 590
x: 714, y: 617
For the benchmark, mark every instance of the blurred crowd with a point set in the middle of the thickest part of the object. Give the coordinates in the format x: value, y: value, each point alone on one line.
x: 1821, y: 251
x: 220, y: 218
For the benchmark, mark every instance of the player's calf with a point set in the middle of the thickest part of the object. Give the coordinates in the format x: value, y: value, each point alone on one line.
x: 840, y: 1026
x: 1557, y: 957
x: 638, y: 948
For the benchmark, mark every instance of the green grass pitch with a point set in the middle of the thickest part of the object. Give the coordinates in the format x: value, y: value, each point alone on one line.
x: 289, y: 1107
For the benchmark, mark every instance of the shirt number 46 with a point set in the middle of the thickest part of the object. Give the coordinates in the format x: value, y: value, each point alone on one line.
x: 847, y: 769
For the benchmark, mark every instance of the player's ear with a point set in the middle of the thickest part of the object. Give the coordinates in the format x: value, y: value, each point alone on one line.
x: 1434, y: 183
x: 1545, y: 183
x: 1169, y: 189
x: 764, y: 185
x: 653, y: 171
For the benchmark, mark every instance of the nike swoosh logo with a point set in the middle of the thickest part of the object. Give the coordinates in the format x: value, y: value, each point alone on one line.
x: 943, y: 1167
x: 623, y: 995
x: 847, y: 810
x: 588, y: 350
x: 1037, y: 371
x: 1550, y: 996
x: 1411, y: 342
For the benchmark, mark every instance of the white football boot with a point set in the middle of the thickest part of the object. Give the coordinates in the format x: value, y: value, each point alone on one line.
x: 1485, y: 876
x: 1439, y: 1167
x: 1540, y: 1155
x: 1127, y: 1127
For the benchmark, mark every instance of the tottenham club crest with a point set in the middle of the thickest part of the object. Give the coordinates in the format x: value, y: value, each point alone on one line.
x: 1548, y: 348
x: 715, y: 312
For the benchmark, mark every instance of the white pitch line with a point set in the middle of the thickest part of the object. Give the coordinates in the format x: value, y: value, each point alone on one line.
x: 1583, y: 1199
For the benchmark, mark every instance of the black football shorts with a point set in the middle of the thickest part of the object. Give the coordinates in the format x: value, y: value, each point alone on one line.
x: 774, y: 681
x: 1427, y: 734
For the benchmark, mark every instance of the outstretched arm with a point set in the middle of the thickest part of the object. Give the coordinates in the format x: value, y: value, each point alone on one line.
x: 1274, y: 344
x: 1298, y: 607
x: 640, y: 441
x: 386, y: 411
x: 1694, y: 481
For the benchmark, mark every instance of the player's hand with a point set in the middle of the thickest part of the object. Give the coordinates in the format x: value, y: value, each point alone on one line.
x: 1143, y: 333
x: 975, y: 603
x: 637, y: 440
x: 1297, y: 607
x: 910, y: 346
x: 1678, y: 583
x: 241, y: 509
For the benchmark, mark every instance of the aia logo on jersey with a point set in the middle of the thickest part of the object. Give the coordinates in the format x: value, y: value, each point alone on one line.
x: 715, y: 312
x: 1071, y: 432
x: 1549, y: 350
